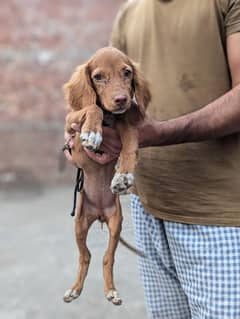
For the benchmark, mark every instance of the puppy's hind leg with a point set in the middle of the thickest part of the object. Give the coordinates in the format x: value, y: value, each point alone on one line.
x: 82, y: 225
x: 115, y: 225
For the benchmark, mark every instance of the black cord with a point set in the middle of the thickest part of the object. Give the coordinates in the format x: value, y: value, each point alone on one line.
x: 79, y: 181
x: 77, y: 189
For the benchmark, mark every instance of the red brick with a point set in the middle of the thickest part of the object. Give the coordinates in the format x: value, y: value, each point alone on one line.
x: 41, y: 44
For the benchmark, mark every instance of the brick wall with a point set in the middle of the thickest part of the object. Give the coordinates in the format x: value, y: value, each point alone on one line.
x: 41, y: 42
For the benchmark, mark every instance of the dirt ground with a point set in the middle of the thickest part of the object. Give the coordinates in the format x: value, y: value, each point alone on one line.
x: 38, y: 260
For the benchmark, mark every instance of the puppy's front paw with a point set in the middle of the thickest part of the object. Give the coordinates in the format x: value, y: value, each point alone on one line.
x: 121, y: 182
x: 91, y: 140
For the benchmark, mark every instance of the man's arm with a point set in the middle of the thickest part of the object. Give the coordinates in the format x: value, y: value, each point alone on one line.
x: 217, y: 119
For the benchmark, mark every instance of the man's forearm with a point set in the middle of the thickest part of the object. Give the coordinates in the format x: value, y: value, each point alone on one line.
x: 217, y: 119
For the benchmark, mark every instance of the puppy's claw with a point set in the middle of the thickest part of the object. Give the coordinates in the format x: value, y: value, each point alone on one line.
x: 121, y: 182
x: 71, y: 294
x: 91, y: 140
x: 113, y: 296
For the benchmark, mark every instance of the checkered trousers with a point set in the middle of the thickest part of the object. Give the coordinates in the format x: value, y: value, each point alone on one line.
x: 189, y: 271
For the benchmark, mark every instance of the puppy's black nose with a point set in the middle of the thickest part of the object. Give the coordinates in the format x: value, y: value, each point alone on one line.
x: 120, y: 99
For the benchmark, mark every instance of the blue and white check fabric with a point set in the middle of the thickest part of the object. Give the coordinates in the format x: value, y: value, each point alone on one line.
x: 190, y: 271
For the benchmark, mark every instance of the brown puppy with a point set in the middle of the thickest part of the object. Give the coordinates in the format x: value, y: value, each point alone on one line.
x: 103, y: 91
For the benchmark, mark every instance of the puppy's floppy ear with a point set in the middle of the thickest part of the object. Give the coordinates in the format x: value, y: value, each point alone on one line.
x: 141, y: 89
x: 78, y: 90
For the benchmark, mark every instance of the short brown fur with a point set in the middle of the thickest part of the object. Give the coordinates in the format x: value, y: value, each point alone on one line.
x: 107, y: 84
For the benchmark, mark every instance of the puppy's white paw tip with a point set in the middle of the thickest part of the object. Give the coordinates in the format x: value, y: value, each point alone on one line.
x: 113, y: 296
x: 70, y: 295
x: 121, y: 182
x: 91, y: 140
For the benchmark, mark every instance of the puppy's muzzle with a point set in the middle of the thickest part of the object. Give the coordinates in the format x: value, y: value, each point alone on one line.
x: 120, y: 103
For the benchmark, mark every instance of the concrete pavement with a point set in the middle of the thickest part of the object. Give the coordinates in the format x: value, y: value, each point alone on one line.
x: 38, y: 259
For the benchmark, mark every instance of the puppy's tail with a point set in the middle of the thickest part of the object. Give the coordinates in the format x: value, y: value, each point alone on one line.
x: 131, y: 248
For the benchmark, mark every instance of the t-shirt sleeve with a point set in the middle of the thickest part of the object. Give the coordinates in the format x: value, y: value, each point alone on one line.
x: 232, y: 17
x: 117, y: 38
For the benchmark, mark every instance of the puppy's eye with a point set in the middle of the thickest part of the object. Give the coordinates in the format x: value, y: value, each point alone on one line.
x: 127, y: 73
x: 98, y: 77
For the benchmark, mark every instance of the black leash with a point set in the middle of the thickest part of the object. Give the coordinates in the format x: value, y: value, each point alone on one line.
x: 78, y: 183
x: 77, y: 189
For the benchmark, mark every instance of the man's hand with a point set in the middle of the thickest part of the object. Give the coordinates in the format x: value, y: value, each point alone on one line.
x: 69, y: 143
x: 109, y: 149
x: 111, y: 145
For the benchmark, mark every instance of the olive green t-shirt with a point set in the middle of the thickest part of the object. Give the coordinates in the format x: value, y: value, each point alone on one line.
x: 181, y: 48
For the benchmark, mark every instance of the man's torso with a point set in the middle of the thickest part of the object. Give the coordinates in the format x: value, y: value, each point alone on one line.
x: 181, y: 47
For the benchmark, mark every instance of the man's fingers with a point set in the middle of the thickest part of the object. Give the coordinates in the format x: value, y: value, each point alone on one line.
x: 111, y: 141
x: 66, y: 136
x: 68, y: 156
x: 76, y: 127
x: 111, y: 146
x: 100, y: 158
